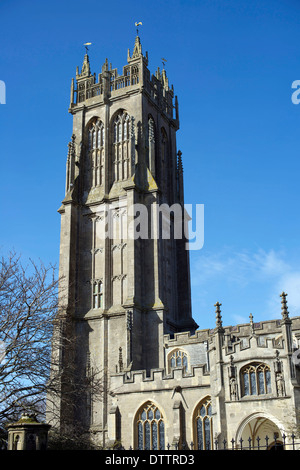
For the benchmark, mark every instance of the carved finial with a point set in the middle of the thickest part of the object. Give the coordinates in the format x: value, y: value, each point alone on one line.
x: 284, y: 309
x: 120, y: 360
x: 179, y: 162
x: 218, y: 314
x: 137, y: 50
x: 251, y: 323
x: 129, y: 320
x: 85, y: 70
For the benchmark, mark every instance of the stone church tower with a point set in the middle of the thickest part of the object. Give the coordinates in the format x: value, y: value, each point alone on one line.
x: 129, y: 363
x: 127, y: 284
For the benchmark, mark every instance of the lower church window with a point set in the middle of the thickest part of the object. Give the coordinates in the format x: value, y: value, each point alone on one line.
x: 150, y: 428
x: 203, y: 429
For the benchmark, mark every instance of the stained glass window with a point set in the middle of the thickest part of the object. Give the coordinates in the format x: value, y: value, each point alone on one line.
x: 178, y: 358
x: 256, y: 379
x: 203, y: 426
x: 150, y: 428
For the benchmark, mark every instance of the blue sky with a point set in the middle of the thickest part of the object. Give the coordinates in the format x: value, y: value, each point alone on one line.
x: 232, y: 64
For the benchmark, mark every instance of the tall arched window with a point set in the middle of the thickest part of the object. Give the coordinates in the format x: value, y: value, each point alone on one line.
x: 150, y: 428
x: 121, y: 147
x: 203, y: 425
x: 256, y: 379
x: 96, y: 152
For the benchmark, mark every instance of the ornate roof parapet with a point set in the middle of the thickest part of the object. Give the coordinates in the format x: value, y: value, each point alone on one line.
x: 135, y: 75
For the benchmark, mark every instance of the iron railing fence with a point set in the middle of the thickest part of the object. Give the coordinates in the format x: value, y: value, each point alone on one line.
x: 267, y: 443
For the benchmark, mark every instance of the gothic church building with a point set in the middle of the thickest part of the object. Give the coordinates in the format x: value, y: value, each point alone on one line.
x: 164, y: 380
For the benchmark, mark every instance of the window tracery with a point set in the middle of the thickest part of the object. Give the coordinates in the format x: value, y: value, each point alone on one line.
x: 178, y: 358
x: 203, y: 425
x: 121, y: 147
x: 256, y: 379
x: 150, y: 428
x: 96, y: 152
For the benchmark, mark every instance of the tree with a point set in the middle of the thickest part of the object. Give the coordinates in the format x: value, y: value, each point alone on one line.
x: 34, y: 339
x: 28, y: 305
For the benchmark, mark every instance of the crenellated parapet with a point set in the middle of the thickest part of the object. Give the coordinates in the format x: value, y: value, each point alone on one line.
x: 160, y: 379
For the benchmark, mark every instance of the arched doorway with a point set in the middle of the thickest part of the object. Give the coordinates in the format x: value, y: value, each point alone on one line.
x: 260, y: 432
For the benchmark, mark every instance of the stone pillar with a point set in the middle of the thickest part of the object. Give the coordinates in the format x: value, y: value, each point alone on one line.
x: 113, y: 423
x: 176, y: 423
x: 28, y: 434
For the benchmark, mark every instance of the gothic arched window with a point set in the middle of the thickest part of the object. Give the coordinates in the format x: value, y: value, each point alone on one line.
x: 178, y: 358
x: 256, y: 379
x: 121, y: 147
x: 150, y: 428
x: 203, y: 425
x: 96, y: 152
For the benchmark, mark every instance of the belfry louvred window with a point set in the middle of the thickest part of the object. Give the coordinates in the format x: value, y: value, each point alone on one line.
x: 121, y: 147
x: 96, y: 152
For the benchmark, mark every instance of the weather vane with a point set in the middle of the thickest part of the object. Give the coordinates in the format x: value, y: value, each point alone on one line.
x: 137, y: 24
x: 86, y: 44
x: 163, y: 62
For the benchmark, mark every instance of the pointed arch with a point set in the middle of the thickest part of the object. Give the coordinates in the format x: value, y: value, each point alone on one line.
x: 95, y: 137
x: 149, y: 427
x: 121, y: 146
x: 257, y: 426
x: 178, y: 357
x: 203, y: 425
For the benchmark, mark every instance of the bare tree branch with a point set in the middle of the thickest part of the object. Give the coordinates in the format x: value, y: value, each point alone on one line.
x: 39, y: 341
